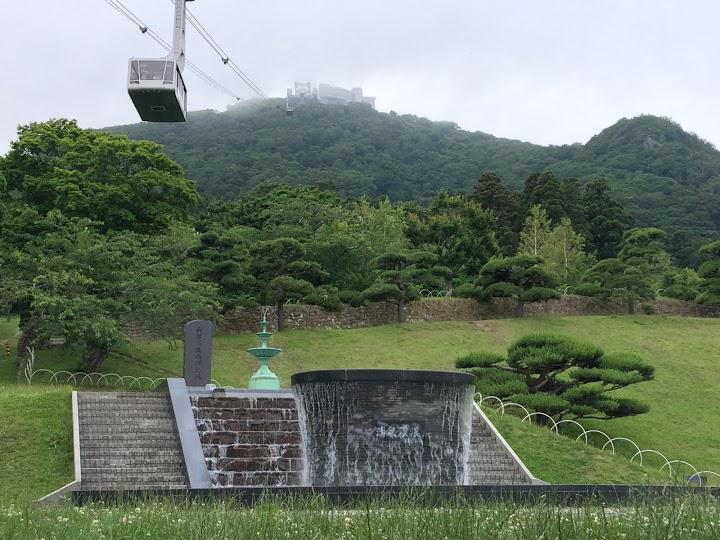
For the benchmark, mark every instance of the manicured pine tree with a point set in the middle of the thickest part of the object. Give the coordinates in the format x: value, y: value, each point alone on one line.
x: 643, y: 252
x: 560, y: 377
x: 283, y: 273
x: 217, y: 259
x: 637, y: 272
x: 522, y: 277
x: 399, y: 278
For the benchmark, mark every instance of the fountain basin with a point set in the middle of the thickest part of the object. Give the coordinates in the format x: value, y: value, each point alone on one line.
x: 380, y: 427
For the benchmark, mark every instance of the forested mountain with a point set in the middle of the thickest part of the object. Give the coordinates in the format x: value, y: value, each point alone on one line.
x: 662, y: 175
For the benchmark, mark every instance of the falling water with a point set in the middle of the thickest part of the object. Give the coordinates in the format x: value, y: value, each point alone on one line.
x: 384, y: 432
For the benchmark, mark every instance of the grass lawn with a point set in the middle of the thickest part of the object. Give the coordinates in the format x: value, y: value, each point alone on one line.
x: 685, y: 517
x: 8, y: 339
x: 36, y: 443
x: 685, y: 412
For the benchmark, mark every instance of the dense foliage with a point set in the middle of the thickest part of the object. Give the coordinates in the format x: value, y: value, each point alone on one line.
x: 662, y: 175
x: 102, y: 233
x: 560, y: 377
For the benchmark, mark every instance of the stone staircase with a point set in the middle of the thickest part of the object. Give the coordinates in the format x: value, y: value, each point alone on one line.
x: 250, y: 440
x: 128, y: 440
x: 490, y: 462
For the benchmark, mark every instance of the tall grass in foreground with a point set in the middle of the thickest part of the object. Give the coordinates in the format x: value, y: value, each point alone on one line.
x: 683, y: 517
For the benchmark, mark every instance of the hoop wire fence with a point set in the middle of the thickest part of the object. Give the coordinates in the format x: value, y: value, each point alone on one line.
x: 674, y: 466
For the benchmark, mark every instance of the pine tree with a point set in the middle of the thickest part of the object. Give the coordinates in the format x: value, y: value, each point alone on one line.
x: 399, y: 275
x: 522, y: 277
x: 544, y: 189
x: 606, y: 219
x: 560, y: 377
x: 492, y: 195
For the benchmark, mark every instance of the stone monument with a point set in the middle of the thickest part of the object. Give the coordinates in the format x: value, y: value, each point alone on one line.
x: 197, y: 355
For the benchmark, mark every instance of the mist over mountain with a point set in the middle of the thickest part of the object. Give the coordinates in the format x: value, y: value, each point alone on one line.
x: 663, y: 175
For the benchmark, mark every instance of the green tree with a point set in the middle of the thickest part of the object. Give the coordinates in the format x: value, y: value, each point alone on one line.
x: 636, y: 274
x: 573, y: 204
x: 83, y: 286
x: 613, y: 278
x: 346, y: 247
x: 643, y: 251
x: 709, y: 273
x: 283, y: 273
x: 522, y: 277
x: 220, y: 260
x: 400, y: 274
x: 606, y: 219
x: 505, y: 204
x: 563, y: 253
x: 117, y: 183
x: 383, y: 227
x: 560, y: 377
x: 681, y: 283
x: 457, y: 230
x: 535, y: 233
x: 545, y: 190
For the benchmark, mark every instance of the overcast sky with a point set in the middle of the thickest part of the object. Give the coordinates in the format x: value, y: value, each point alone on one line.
x: 545, y: 71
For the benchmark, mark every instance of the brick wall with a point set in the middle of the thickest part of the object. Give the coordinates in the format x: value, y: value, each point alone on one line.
x: 250, y: 441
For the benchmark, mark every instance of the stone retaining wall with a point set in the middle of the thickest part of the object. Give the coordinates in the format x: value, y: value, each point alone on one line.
x: 451, y: 309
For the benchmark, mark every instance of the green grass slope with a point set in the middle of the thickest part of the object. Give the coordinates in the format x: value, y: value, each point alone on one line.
x: 36, y: 445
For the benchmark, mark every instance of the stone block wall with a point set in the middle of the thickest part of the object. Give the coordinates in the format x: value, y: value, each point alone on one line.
x: 249, y: 441
x: 451, y: 309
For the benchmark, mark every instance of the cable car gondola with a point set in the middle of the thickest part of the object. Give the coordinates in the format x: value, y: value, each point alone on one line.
x: 155, y: 85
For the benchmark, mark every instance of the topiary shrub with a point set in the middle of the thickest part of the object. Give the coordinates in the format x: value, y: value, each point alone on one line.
x: 560, y: 376
x: 354, y: 298
x: 468, y: 290
x: 500, y: 290
x: 709, y: 273
x: 479, y: 359
x: 325, y: 296
x: 536, y: 294
x: 588, y: 289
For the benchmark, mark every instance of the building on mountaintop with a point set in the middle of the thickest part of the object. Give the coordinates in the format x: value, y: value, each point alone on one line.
x: 328, y: 93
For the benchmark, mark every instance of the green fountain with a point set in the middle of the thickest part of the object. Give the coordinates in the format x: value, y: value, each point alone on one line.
x: 264, y: 379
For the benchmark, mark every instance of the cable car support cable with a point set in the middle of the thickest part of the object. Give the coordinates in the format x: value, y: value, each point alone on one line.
x: 224, y: 57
